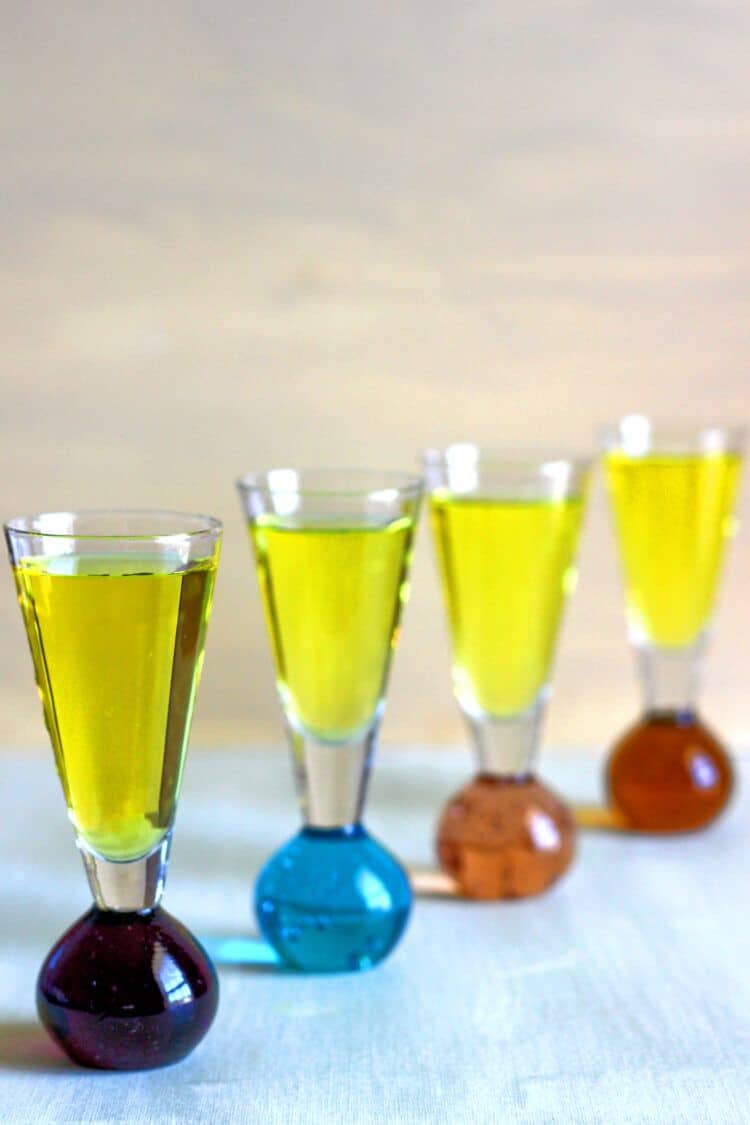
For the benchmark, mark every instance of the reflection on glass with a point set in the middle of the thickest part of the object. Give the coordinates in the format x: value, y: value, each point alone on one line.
x: 506, y: 535
x: 116, y: 606
x: 673, y: 496
x: 332, y: 553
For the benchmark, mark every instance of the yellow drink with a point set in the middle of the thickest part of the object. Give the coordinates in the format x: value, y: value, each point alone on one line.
x: 117, y: 644
x: 332, y: 595
x: 505, y: 566
x: 673, y: 514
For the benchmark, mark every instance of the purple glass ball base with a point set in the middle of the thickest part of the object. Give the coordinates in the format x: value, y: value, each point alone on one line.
x: 127, y: 991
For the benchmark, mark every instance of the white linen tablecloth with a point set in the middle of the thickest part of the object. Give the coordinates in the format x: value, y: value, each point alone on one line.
x: 623, y: 995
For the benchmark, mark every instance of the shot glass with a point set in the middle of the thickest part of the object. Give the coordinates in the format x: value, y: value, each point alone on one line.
x: 673, y: 493
x: 332, y: 552
x: 115, y: 606
x: 506, y: 535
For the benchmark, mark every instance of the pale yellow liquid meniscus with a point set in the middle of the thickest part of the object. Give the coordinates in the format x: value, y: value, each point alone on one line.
x: 506, y: 566
x: 332, y: 595
x: 673, y: 513
x: 117, y: 644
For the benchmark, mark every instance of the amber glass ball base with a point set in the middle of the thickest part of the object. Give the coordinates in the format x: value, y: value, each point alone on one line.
x: 127, y: 991
x: 505, y: 837
x: 669, y: 773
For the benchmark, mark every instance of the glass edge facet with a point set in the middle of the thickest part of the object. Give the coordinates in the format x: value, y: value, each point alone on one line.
x: 127, y: 886
x: 209, y: 526
x: 650, y: 435
x: 504, y: 471
x: 405, y: 484
x: 494, y: 461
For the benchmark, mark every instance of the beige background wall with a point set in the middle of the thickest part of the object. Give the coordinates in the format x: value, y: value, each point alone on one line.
x: 239, y: 235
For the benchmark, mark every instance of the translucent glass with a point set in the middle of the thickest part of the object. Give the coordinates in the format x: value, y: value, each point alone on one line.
x: 332, y: 552
x: 505, y: 535
x: 333, y: 899
x: 673, y: 495
x: 116, y: 606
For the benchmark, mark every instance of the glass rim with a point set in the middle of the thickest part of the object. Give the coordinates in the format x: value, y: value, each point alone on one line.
x: 493, y: 462
x: 378, y: 481
x: 207, y: 525
x: 651, y: 435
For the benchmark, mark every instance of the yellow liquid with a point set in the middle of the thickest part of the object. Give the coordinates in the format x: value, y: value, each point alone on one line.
x: 332, y: 596
x: 505, y: 566
x: 117, y: 644
x: 673, y: 514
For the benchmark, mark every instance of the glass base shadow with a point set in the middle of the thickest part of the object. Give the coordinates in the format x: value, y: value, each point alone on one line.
x: 333, y: 900
x: 127, y: 991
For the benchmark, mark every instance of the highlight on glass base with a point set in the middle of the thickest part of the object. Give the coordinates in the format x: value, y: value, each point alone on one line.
x: 673, y: 495
x: 505, y: 837
x: 505, y: 535
x: 669, y: 773
x: 332, y: 552
x: 115, y: 606
x: 333, y: 899
x: 127, y: 990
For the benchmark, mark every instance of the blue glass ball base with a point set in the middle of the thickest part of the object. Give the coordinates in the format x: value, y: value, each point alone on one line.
x: 333, y: 900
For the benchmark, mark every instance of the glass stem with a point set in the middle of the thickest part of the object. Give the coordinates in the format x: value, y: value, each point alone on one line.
x: 130, y: 886
x: 331, y: 778
x: 507, y: 747
x: 670, y: 676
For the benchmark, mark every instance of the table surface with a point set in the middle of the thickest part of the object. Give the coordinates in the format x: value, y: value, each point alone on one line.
x: 621, y: 996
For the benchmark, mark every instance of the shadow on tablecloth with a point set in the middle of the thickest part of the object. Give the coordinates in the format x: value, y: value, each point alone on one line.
x: 243, y: 951
x: 26, y: 1046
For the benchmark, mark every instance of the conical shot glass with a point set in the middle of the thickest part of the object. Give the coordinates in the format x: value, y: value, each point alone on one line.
x: 506, y: 535
x: 115, y: 606
x: 673, y: 495
x: 332, y: 551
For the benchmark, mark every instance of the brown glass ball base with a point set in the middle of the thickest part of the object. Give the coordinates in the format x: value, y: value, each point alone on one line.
x: 505, y: 837
x: 669, y: 773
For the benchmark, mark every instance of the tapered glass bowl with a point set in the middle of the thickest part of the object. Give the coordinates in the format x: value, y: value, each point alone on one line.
x: 332, y: 552
x: 116, y: 605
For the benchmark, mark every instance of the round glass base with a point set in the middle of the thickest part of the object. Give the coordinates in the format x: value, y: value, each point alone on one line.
x: 127, y: 991
x: 333, y: 900
x: 505, y: 837
x: 669, y: 773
